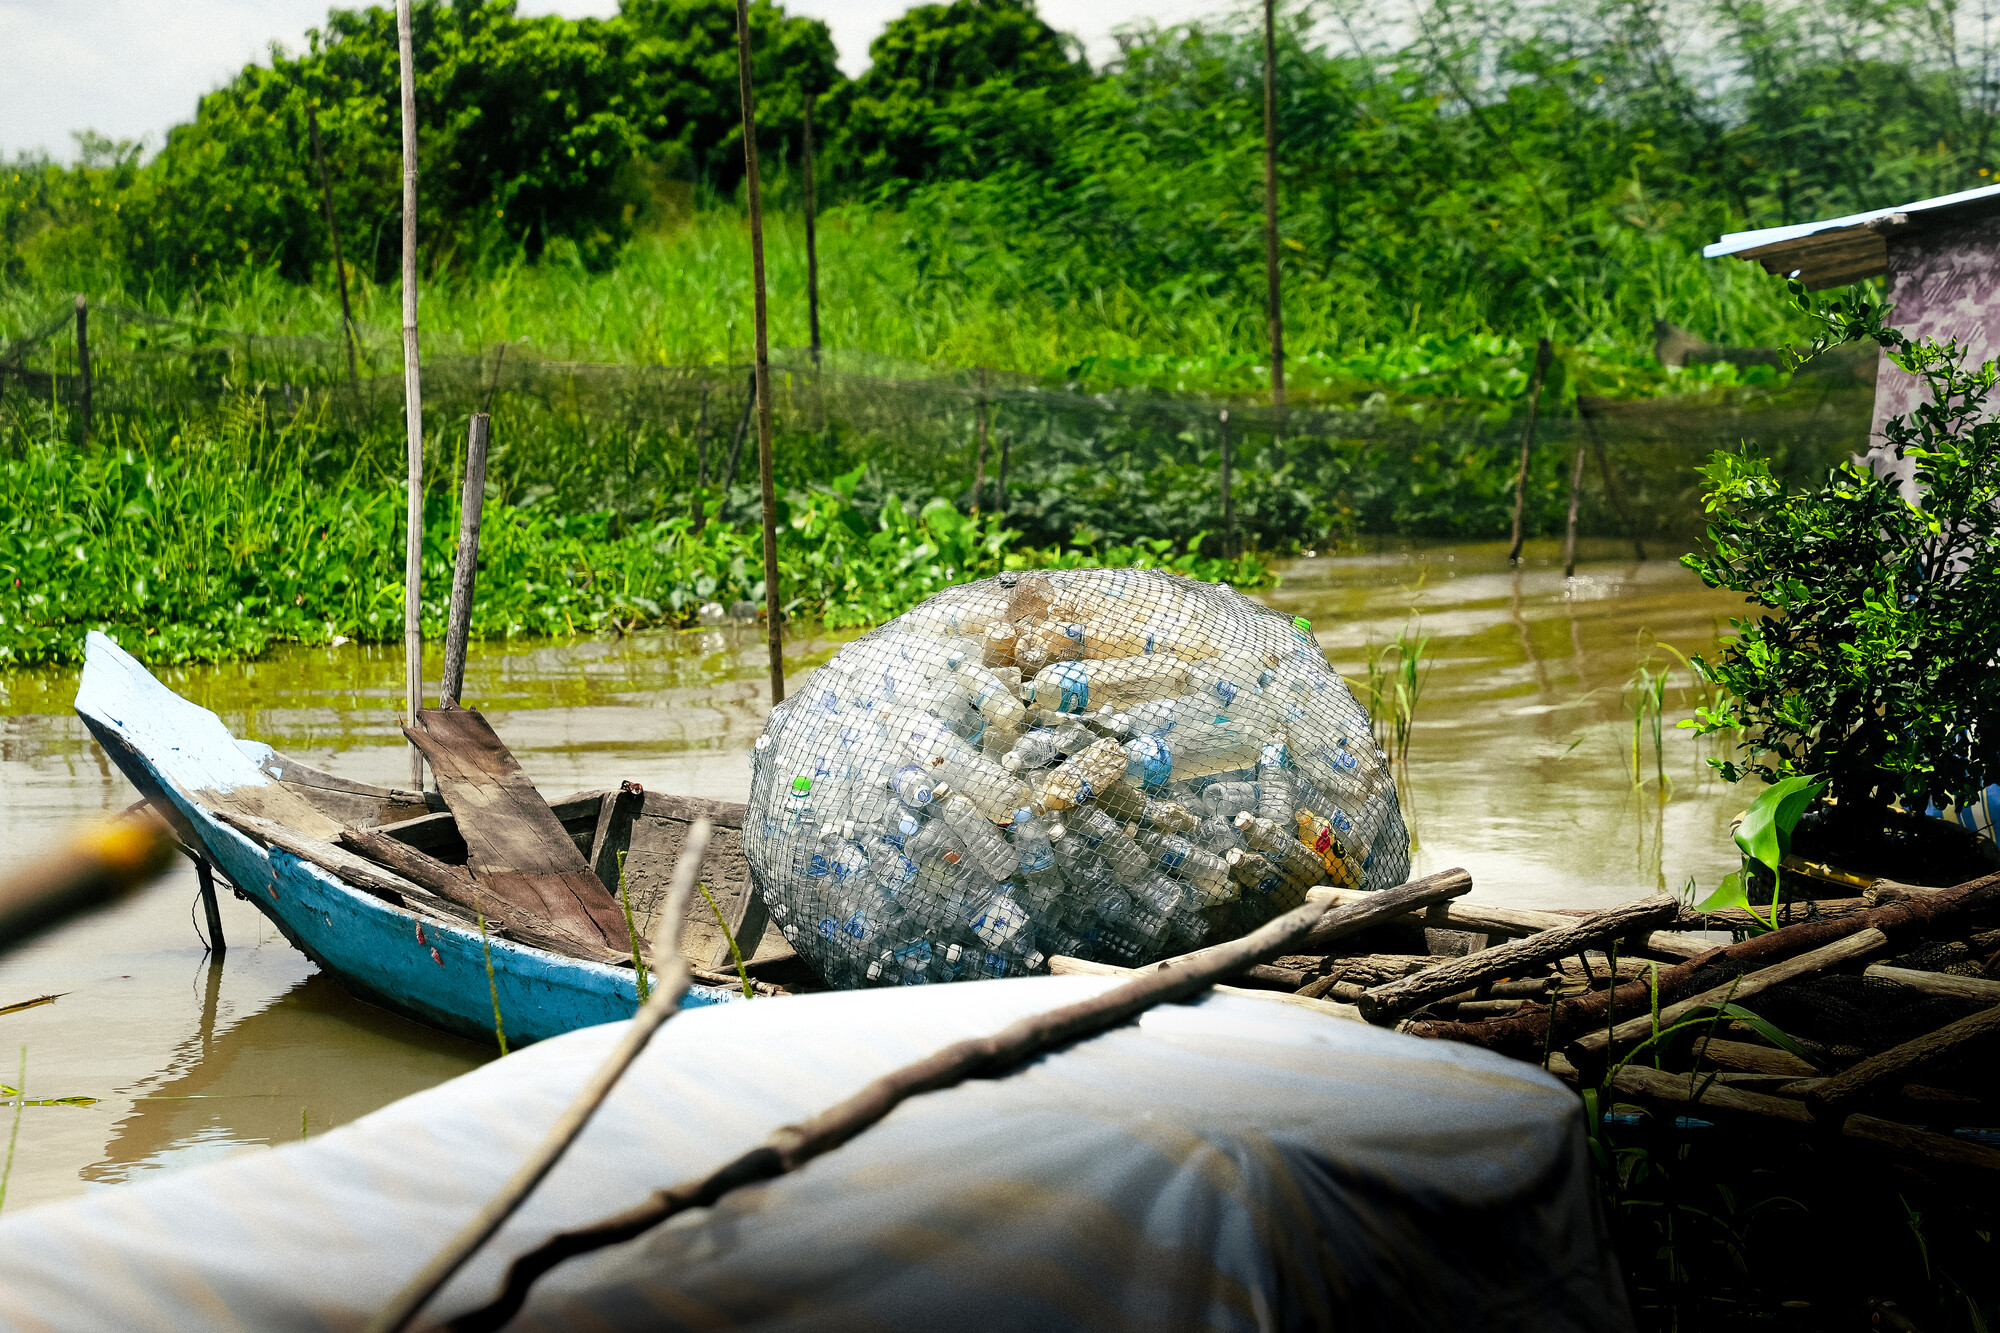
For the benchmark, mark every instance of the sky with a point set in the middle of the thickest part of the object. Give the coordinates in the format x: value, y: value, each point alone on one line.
x: 129, y: 69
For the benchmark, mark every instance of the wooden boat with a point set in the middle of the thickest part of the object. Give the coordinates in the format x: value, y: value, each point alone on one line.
x: 275, y: 827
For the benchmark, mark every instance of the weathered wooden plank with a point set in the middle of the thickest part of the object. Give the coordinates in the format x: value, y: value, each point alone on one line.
x: 516, y: 847
x: 611, y: 837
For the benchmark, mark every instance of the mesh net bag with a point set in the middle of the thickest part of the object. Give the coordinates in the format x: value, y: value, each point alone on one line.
x: 1117, y: 765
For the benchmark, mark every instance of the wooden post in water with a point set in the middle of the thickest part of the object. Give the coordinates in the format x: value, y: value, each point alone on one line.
x: 812, y: 241
x: 413, y: 404
x: 1544, y: 353
x: 83, y: 363
x: 465, y: 573
x: 1228, y: 505
x: 1277, y: 316
x: 333, y: 237
x: 1575, y: 494
x: 979, y: 459
x: 763, y: 369
x: 205, y: 874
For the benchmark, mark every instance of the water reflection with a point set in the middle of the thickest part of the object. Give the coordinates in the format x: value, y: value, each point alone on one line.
x: 1517, y: 770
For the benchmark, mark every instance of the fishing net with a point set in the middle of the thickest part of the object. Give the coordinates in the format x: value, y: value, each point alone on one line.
x: 1116, y: 765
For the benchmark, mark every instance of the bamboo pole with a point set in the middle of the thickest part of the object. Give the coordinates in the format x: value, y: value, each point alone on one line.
x: 812, y: 241
x: 465, y: 572
x: 83, y: 362
x: 1277, y: 317
x: 333, y: 236
x: 1228, y: 506
x: 979, y: 461
x: 1544, y: 353
x: 772, y: 609
x: 413, y: 404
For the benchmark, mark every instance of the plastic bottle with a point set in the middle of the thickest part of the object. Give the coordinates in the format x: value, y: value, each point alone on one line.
x: 995, y: 855
x: 1033, y: 750
x: 1105, y: 837
x: 999, y: 645
x: 1229, y: 799
x: 914, y: 787
x: 1291, y: 857
x: 1118, y: 681
x: 1084, y: 774
x: 1320, y: 839
x: 993, y: 791
x: 1082, y: 869
x: 1031, y: 594
x: 992, y: 697
x: 1197, y: 865
x: 1004, y: 924
x: 1128, y: 802
x: 1275, y: 800
x: 1218, y: 835
x: 1269, y: 889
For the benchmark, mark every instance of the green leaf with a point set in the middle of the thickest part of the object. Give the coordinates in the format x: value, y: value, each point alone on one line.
x: 1729, y: 893
x: 1765, y: 834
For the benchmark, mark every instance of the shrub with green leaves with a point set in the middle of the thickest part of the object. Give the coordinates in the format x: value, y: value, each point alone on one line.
x: 1874, y: 662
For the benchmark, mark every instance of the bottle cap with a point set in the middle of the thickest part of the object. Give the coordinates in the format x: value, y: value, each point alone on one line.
x: 1300, y: 622
x: 801, y: 785
x: 1011, y: 762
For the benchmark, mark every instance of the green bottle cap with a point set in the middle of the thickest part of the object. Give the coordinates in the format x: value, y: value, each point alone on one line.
x: 1301, y: 623
x: 801, y: 785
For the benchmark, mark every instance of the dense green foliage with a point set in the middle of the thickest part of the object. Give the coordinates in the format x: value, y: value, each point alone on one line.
x: 218, y: 547
x: 1873, y: 668
x: 1508, y: 167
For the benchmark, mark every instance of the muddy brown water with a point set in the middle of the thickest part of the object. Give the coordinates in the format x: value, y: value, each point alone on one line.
x: 1518, y: 769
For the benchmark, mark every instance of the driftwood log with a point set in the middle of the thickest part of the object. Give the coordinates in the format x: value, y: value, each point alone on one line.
x: 1492, y: 919
x: 1938, y: 983
x: 1599, y: 1043
x: 1386, y: 1002
x: 1891, y: 1068
x: 1529, y: 1031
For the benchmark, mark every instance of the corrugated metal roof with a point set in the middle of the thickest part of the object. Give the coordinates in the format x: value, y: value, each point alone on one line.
x: 1838, y: 250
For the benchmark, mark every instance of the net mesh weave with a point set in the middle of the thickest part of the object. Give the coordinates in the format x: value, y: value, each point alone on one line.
x: 1117, y: 765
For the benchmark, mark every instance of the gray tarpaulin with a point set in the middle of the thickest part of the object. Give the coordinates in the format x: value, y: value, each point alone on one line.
x: 1231, y: 1164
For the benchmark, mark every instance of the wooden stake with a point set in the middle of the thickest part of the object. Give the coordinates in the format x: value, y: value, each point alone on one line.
x: 204, y: 873
x: 465, y: 573
x: 698, y: 514
x: 1228, y: 507
x: 742, y: 430
x: 772, y: 600
x: 1569, y: 533
x: 979, y: 461
x: 1544, y: 353
x: 83, y: 362
x: 812, y: 243
x: 413, y: 404
x: 333, y: 236
x: 1277, y: 317
x: 1006, y: 446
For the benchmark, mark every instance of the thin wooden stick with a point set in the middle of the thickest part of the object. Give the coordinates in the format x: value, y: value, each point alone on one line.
x: 772, y: 599
x: 1006, y: 446
x: 1544, y: 353
x: 83, y: 362
x: 465, y: 574
x: 204, y: 874
x: 742, y: 432
x: 664, y: 1003
x: 794, y: 1145
x: 333, y: 236
x: 413, y: 404
x: 812, y: 242
x: 1276, y: 310
x: 979, y: 462
x: 1569, y: 532
x: 1228, y: 504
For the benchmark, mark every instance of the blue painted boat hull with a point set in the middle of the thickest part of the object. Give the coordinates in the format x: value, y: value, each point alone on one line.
x: 424, y: 967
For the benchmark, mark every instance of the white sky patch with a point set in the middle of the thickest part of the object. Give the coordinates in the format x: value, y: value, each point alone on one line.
x: 130, y: 69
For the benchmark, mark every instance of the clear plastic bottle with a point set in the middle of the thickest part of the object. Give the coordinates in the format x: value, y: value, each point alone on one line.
x: 992, y: 697
x: 1005, y: 924
x: 1292, y: 857
x: 1084, y: 774
x: 1172, y: 852
x: 1229, y: 799
x: 998, y: 647
x: 1082, y: 869
x: 1218, y: 835
x: 1265, y: 887
x: 914, y: 787
x: 1074, y: 686
x: 1128, y: 802
x: 995, y: 855
x: 1033, y: 750
x: 1109, y: 840
x: 993, y: 791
